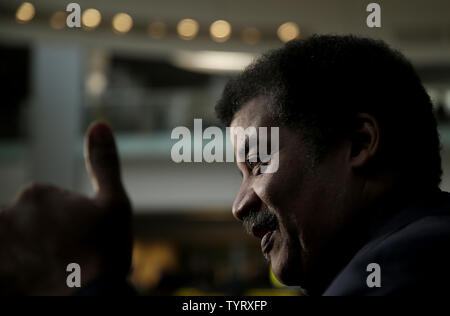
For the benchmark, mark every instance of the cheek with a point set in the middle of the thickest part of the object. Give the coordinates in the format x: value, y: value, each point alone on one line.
x: 271, y: 189
x: 279, y: 190
x: 276, y: 191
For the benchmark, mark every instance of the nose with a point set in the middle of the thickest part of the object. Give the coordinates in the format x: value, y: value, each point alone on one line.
x: 245, y: 201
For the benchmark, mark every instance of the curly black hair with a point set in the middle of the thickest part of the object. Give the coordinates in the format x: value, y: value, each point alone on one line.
x: 318, y: 85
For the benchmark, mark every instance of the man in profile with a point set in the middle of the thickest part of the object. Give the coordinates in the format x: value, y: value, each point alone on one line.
x: 353, y: 209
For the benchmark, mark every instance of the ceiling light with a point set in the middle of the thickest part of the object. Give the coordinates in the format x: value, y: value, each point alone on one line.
x: 288, y: 32
x: 188, y: 29
x: 122, y: 23
x: 220, y: 31
x: 213, y: 61
x: 25, y: 12
x: 91, y: 18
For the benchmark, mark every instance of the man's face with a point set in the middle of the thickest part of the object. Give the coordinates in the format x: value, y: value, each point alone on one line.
x: 296, y: 210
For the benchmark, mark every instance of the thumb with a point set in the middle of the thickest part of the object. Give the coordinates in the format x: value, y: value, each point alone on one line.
x: 102, y: 162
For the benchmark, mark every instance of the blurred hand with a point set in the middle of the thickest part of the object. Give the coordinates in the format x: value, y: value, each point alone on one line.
x: 48, y: 228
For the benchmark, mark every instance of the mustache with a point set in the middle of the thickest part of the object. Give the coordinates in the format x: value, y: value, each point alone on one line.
x: 258, y: 219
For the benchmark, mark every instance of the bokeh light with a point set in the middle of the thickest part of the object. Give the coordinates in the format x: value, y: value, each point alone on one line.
x: 157, y: 29
x: 288, y: 31
x: 251, y: 35
x: 220, y: 31
x: 91, y: 18
x: 122, y: 23
x: 58, y: 20
x: 25, y: 13
x: 188, y: 29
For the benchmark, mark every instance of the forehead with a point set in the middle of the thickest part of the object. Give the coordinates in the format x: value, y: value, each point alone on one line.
x: 254, y: 113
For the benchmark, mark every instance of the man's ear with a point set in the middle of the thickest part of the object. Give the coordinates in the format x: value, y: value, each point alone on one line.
x: 365, y: 140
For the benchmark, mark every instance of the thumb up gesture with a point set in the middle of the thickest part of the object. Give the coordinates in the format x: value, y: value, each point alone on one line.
x: 48, y: 228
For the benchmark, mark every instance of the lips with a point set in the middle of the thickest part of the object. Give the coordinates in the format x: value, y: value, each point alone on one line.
x: 265, y: 235
x: 266, y: 242
x: 262, y: 224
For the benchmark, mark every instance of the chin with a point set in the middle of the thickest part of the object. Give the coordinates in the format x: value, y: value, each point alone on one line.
x: 287, y: 267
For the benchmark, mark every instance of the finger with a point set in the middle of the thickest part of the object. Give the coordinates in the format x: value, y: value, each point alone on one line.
x: 102, y: 162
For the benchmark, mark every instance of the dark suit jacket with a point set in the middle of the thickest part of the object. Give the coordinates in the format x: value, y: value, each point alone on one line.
x: 412, y: 250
